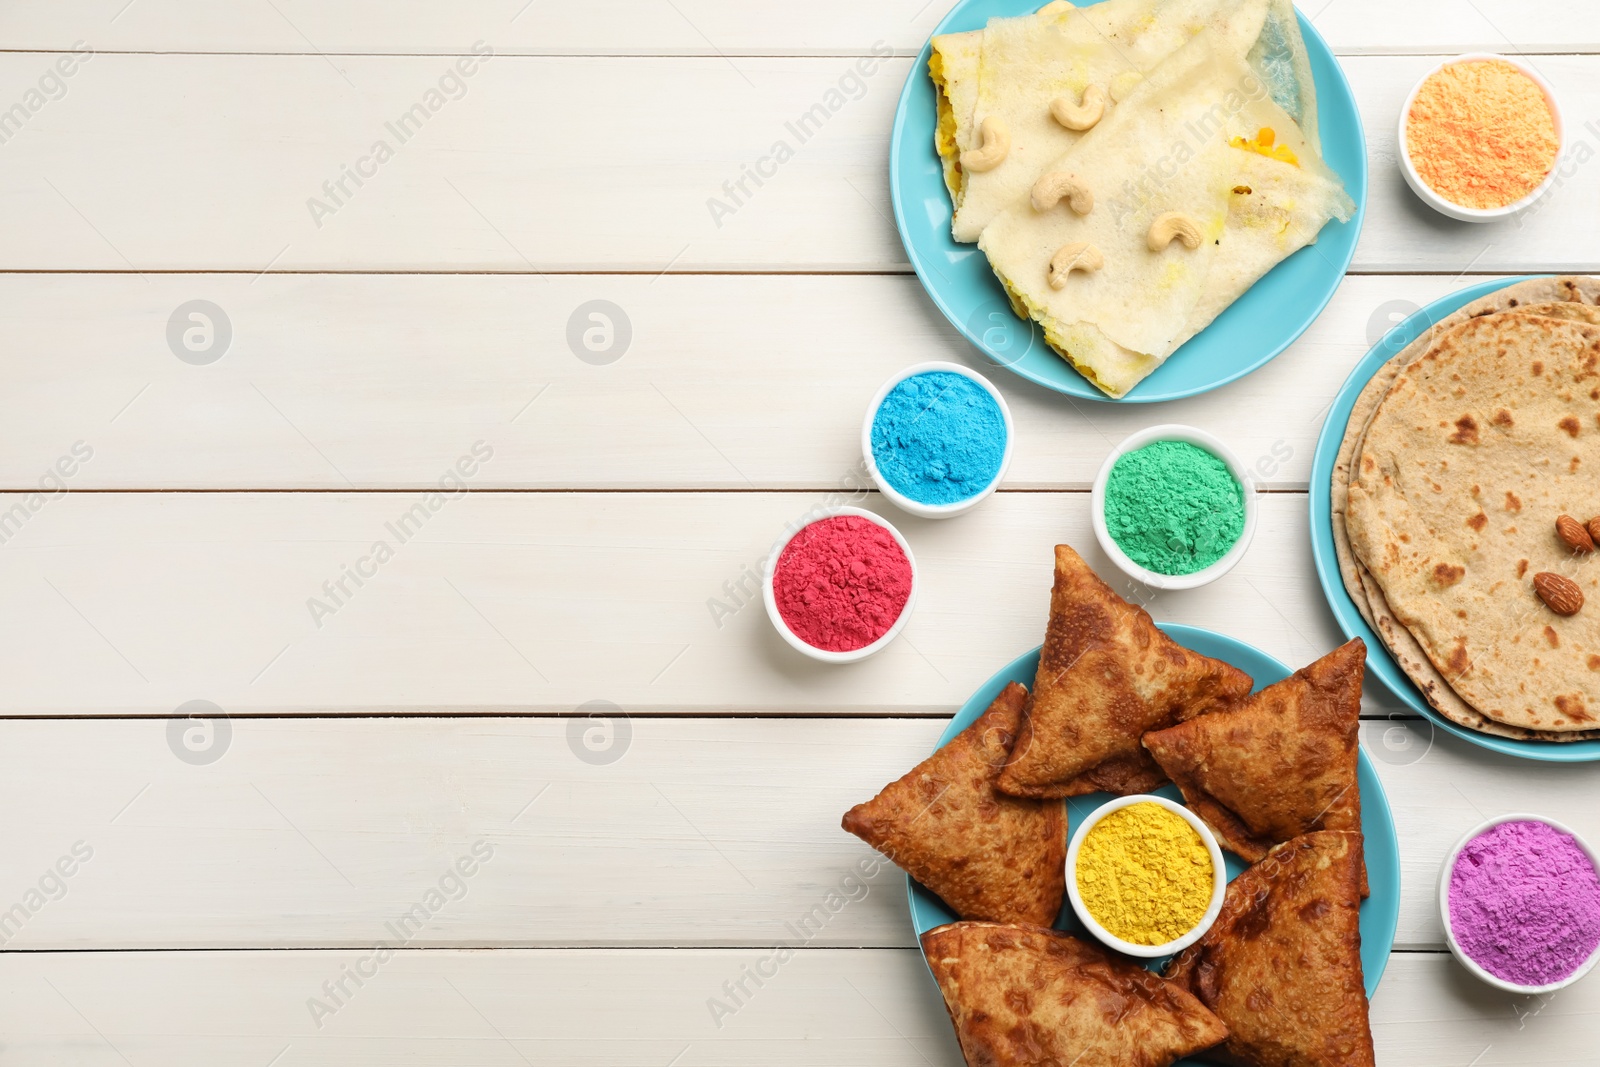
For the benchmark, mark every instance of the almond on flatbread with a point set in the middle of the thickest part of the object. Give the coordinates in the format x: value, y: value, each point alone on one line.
x: 1026, y: 996
x: 1281, y: 763
x: 987, y: 855
x: 1282, y: 964
x: 1106, y: 676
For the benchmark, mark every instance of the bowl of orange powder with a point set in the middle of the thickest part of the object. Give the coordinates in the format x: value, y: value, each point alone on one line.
x: 1480, y: 136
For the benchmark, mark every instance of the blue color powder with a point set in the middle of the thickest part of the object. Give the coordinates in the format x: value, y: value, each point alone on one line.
x: 938, y: 438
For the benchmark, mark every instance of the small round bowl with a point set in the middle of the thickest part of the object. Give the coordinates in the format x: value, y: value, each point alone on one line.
x: 899, y: 499
x: 1444, y: 906
x: 1154, y: 579
x: 771, y: 600
x: 1472, y: 214
x: 1218, y: 889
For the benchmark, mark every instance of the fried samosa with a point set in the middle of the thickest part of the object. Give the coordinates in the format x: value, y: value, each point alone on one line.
x: 1282, y: 964
x: 1025, y: 996
x: 987, y: 855
x: 1106, y: 676
x: 1281, y: 763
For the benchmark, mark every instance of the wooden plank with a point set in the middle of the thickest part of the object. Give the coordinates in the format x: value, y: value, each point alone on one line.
x: 315, y: 833
x: 704, y: 27
x: 606, y: 185
x: 632, y: 1008
x: 725, y: 382
x: 137, y: 603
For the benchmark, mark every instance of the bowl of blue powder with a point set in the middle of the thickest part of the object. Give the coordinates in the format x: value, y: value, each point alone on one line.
x: 937, y: 439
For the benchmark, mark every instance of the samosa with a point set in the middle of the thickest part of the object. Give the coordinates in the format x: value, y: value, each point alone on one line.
x: 1025, y: 996
x: 987, y: 855
x: 1106, y: 676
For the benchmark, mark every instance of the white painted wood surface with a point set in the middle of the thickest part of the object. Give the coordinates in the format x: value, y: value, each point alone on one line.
x: 430, y: 312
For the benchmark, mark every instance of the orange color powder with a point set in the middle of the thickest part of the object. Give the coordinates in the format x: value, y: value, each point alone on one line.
x: 1481, y: 134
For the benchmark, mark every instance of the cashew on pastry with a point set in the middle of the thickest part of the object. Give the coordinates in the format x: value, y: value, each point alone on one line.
x: 995, y: 144
x: 1084, y: 113
x: 1060, y: 185
x: 1173, y: 224
x: 1079, y: 255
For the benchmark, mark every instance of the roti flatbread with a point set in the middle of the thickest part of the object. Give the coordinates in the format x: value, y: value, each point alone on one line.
x: 1280, y: 764
x: 1282, y: 964
x: 1023, y: 996
x: 987, y: 855
x: 1561, y: 297
x: 1477, y: 448
x: 1106, y: 676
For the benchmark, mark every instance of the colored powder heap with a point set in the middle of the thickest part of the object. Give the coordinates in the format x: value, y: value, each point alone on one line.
x: 841, y: 583
x: 1173, y: 507
x: 938, y: 438
x: 1145, y: 874
x: 1481, y: 134
x: 1525, y: 903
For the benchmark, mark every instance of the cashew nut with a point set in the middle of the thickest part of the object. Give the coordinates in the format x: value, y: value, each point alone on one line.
x: 1051, y: 189
x: 1079, y: 255
x: 996, y: 143
x: 1085, y: 113
x: 1170, y: 225
x: 1122, y: 84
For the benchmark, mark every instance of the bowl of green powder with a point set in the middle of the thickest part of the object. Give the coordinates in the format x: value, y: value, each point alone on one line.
x: 1173, y: 507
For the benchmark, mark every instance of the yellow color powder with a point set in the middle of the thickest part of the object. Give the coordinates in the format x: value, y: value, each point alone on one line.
x: 1481, y: 134
x: 1145, y: 874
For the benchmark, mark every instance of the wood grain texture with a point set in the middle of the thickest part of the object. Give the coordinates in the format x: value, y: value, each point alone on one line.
x: 607, y: 185
x: 131, y: 604
x: 700, y: 27
x: 637, y: 1008
x: 726, y: 382
x: 316, y: 833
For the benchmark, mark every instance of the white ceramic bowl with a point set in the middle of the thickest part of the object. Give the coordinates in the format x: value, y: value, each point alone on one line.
x: 1218, y: 889
x: 771, y: 600
x: 1444, y: 907
x: 1471, y: 214
x: 1153, y: 579
x: 899, y: 499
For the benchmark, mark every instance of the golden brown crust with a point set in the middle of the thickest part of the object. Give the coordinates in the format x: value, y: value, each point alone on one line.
x: 1106, y: 676
x: 1281, y: 763
x: 1282, y: 965
x: 1025, y: 996
x: 987, y: 855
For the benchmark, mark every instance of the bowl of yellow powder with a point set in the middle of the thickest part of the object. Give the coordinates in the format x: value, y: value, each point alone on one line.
x: 1145, y: 876
x: 1480, y: 137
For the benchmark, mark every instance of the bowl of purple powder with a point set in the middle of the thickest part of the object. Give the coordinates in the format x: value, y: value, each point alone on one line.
x: 937, y: 439
x: 1520, y: 900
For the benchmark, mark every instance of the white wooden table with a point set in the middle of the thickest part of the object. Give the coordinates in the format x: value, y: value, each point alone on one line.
x: 435, y: 712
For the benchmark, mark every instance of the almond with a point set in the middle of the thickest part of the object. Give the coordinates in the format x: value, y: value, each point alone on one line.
x: 1594, y: 529
x: 1559, y: 593
x: 1575, y: 534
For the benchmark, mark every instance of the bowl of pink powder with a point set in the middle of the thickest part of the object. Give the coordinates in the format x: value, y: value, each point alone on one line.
x: 1520, y: 900
x: 840, y: 587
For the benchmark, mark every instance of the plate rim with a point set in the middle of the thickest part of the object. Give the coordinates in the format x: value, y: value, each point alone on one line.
x: 1359, y: 181
x: 1386, y: 921
x: 1325, y: 559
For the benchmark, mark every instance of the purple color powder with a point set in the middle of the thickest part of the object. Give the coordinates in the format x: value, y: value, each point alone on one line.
x: 1525, y: 903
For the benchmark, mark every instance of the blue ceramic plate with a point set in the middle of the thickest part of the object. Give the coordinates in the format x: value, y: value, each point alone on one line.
x: 1379, y: 663
x: 1379, y: 912
x: 1258, y: 326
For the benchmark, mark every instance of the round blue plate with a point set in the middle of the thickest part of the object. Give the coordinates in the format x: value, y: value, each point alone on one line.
x: 1379, y: 912
x: 1379, y: 663
x: 1258, y: 326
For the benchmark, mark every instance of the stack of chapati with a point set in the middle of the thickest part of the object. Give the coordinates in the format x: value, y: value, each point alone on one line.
x: 1460, y: 455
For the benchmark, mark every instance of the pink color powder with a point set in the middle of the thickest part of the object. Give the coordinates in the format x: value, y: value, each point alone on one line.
x: 1525, y: 903
x: 841, y: 583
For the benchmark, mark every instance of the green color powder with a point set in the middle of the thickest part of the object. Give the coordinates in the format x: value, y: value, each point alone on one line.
x: 1173, y: 507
